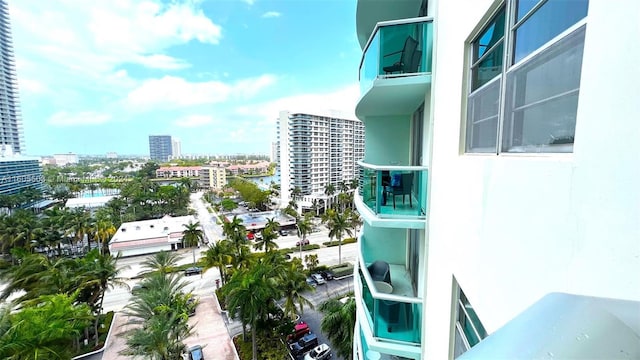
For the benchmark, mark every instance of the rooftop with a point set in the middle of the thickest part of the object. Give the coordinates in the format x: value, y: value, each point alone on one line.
x: 149, y: 229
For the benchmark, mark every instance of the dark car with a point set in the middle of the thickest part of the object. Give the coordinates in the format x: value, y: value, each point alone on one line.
x: 192, y: 270
x: 303, y: 345
x: 195, y: 353
x: 283, y: 233
x: 327, y: 275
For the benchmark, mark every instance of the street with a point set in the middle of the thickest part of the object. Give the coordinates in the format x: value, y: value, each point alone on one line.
x: 204, y: 285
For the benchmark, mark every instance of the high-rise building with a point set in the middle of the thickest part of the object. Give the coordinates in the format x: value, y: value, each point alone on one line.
x: 499, y: 183
x: 315, y: 150
x: 176, y: 148
x: 18, y: 172
x: 160, y: 147
x: 11, y: 132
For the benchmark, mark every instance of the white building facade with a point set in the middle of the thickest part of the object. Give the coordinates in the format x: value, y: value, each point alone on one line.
x: 514, y: 125
x: 149, y: 236
x: 316, y: 150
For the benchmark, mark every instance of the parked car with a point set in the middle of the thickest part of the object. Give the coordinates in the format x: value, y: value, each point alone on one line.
x: 299, y: 330
x: 258, y: 235
x: 195, y: 353
x: 303, y: 345
x: 320, y: 352
x: 311, y: 282
x: 250, y: 236
x: 192, y: 270
x: 318, y: 279
x: 283, y: 233
x: 327, y: 275
x: 303, y: 242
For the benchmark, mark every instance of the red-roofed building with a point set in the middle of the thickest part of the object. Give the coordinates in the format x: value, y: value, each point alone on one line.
x: 178, y: 171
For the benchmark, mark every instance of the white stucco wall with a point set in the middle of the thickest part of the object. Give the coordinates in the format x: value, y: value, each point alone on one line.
x: 512, y: 228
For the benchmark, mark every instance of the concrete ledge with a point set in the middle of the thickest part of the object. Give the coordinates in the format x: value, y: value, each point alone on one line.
x: 106, y: 340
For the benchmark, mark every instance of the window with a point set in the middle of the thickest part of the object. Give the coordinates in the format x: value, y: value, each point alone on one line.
x: 528, y: 103
x: 468, y: 330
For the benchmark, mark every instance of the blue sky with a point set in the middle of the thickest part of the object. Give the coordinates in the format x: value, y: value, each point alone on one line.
x: 102, y: 75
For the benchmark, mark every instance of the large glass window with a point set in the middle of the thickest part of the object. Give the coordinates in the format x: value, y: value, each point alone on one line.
x: 538, y: 113
x: 469, y: 331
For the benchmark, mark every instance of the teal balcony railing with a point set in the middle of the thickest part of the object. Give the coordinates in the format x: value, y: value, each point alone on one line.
x: 397, y: 48
x: 394, y: 191
x: 390, y: 317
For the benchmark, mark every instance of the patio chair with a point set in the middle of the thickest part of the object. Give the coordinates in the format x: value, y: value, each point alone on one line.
x: 406, y: 61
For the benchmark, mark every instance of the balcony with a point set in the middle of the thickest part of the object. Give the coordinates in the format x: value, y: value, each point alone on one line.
x: 395, y: 70
x: 390, y: 317
x: 393, y: 196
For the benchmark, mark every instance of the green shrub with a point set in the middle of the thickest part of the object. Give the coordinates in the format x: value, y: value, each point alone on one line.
x: 342, y: 270
x: 297, y: 248
x: 336, y: 243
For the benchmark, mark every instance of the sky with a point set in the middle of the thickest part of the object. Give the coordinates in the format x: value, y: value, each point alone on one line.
x: 102, y: 75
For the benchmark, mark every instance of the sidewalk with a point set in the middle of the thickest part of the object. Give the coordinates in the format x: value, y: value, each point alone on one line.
x: 209, y: 331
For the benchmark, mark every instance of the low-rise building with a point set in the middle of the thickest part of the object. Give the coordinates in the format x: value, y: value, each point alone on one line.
x: 65, y: 159
x: 178, y: 171
x: 149, y: 236
x: 241, y: 169
x: 213, y: 177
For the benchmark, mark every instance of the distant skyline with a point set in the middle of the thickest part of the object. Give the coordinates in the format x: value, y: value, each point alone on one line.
x: 101, y: 76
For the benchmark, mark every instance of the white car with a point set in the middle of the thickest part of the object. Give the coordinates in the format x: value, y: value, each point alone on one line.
x: 320, y: 352
x: 318, y: 279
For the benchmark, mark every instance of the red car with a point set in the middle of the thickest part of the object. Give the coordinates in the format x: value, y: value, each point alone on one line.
x: 250, y: 236
x: 299, y: 330
x: 304, y: 242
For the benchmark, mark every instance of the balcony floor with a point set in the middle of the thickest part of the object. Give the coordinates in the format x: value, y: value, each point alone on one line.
x: 400, y: 209
x: 401, y: 281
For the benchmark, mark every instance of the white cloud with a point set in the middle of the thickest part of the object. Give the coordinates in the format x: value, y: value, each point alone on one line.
x: 64, y: 118
x: 175, y: 92
x: 194, y: 121
x: 249, y: 2
x: 89, y: 39
x: 159, y: 61
x: 271, y: 14
x: 341, y: 102
x: 32, y: 86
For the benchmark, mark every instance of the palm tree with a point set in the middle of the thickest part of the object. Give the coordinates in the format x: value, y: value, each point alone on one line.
x: 293, y: 283
x: 267, y: 242
x: 354, y: 183
x: 192, y: 235
x: 162, y: 262
x: 101, y: 272
x: 338, y: 323
x: 272, y: 224
x: 159, y: 313
x: 338, y: 226
x: 247, y: 293
x: 219, y: 254
x: 354, y: 220
x: 103, y: 231
x: 49, y: 330
x: 303, y: 227
x: 311, y: 261
x: 295, y: 192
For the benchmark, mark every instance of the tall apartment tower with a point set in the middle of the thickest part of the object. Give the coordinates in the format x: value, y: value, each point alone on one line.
x: 315, y: 150
x: 160, y: 147
x: 176, y: 148
x: 499, y: 188
x: 11, y: 132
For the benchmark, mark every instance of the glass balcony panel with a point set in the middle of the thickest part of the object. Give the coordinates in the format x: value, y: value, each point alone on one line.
x: 394, y: 191
x: 392, y: 319
x: 397, y: 50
